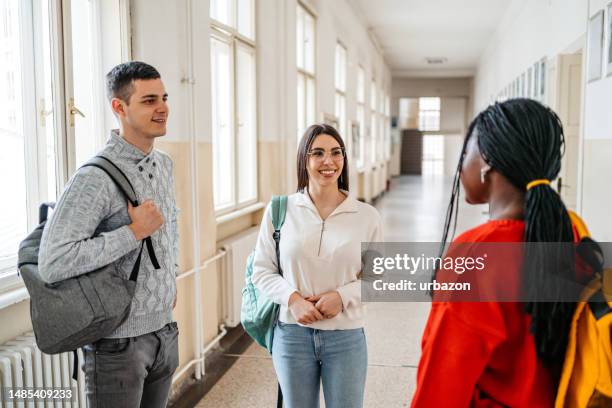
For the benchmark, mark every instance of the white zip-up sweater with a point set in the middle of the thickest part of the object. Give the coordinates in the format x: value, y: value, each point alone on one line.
x: 317, y: 256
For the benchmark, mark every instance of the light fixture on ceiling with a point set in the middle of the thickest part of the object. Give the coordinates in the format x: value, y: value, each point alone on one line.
x: 436, y: 60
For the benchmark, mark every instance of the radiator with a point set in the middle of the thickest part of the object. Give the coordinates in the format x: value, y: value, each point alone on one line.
x: 238, y: 248
x: 22, y: 364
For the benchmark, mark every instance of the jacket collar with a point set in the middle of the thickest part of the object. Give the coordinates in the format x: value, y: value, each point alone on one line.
x: 349, y: 205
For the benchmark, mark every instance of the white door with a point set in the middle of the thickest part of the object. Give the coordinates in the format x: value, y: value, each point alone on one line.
x: 568, y: 105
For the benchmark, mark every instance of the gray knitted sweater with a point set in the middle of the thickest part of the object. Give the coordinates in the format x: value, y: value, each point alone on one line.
x: 89, y: 229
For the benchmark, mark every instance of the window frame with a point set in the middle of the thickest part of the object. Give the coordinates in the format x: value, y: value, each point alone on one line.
x: 373, y: 122
x: 303, y: 75
x: 32, y: 82
x: 423, y: 114
x: 361, y: 114
x: 340, y: 87
x: 231, y: 36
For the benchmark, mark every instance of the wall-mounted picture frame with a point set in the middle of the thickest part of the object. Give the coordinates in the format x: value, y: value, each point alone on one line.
x: 355, y: 142
x: 536, y: 80
x: 331, y: 120
x: 609, y: 39
x: 529, y: 82
x: 595, y: 44
x: 542, y: 90
x: 516, y: 88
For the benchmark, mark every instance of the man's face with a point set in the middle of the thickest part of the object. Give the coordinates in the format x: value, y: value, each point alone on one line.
x: 147, y: 111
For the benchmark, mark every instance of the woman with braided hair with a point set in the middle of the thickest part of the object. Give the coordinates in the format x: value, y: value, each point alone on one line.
x: 494, y: 354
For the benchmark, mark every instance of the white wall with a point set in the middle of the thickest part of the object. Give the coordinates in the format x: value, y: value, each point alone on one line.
x: 529, y: 31
x: 535, y: 29
x: 418, y: 87
x: 597, y: 150
x: 159, y: 37
x: 452, y: 152
x: 453, y: 115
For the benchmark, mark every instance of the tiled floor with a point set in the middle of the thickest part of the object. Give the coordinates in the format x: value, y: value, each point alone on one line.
x: 413, y: 210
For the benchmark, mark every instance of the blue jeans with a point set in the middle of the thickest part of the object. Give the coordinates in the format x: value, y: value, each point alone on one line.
x: 304, y: 357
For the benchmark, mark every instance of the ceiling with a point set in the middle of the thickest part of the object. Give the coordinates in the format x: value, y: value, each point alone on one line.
x: 409, y: 31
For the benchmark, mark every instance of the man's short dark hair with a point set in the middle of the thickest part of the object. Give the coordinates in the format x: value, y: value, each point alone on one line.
x: 120, y: 80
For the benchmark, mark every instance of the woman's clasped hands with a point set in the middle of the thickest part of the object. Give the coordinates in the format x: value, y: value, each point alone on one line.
x: 317, y: 307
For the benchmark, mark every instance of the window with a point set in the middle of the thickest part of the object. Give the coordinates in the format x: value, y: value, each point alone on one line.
x: 340, y: 83
x: 236, y: 14
x: 234, y: 100
x: 433, y: 155
x: 387, y: 114
x: 429, y: 114
x: 87, y: 104
x: 38, y: 77
x: 305, y: 47
x: 373, y: 122
x: 380, y: 145
x: 13, y: 212
x: 361, y: 114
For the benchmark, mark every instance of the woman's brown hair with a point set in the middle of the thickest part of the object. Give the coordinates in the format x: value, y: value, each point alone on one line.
x: 302, y: 155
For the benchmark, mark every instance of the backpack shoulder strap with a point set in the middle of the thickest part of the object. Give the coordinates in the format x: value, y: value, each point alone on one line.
x: 116, y: 174
x: 279, y: 210
x: 578, y: 223
x: 121, y: 181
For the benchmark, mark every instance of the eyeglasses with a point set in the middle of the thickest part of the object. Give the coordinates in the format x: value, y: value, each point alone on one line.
x: 337, y: 154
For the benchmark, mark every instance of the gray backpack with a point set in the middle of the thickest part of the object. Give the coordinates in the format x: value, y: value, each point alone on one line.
x: 74, y: 312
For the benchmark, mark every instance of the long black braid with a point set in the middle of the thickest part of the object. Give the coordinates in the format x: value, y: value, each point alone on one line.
x: 523, y: 140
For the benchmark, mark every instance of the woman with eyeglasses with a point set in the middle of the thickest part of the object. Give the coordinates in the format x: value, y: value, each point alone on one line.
x: 319, y: 337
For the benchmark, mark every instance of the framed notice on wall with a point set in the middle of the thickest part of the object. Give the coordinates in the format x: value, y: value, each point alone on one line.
x: 595, y: 44
x: 609, y: 40
x: 541, y: 92
x: 355, y: 140
x: 331, y: 120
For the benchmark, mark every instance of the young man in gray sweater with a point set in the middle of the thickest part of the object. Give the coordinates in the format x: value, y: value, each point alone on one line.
x: 93, y: 225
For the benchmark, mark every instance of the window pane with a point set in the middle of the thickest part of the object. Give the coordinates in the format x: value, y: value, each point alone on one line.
x: 360, y: 85
x: 247, y: 131
x: 340, y: 74
x: 433, y: 155
x: 301, y: 105
x: 361, y: 120
x: 300, y: 37
x: 309, y: 43
x: 13, y: 213
x: 373, y: 95
x: 246, y: 18
x: 341, y: 114
x: 221, y: 10
x: 86, y: 86
x: 47, y: 104
x: 310, y: 102
x: 429, y: 104
x: 429, y: 114
x: 373, y: 127
x: 223, y: 165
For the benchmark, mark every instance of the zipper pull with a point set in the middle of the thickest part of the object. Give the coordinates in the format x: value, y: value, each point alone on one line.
x: 321, y: 238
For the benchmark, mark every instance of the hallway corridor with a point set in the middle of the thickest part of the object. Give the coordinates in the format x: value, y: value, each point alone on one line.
x: 413, y: 210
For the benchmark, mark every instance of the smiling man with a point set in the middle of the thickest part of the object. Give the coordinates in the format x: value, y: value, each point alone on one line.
x: 93, y: 226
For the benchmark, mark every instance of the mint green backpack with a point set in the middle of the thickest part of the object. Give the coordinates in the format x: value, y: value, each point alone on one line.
x: 258, y: 314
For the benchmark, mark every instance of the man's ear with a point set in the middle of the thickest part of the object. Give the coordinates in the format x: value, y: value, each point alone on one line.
x: 117, y: 106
